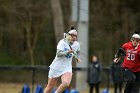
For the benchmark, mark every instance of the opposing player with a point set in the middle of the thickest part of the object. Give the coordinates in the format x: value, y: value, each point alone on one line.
x: 131, y: 63
x: 61, y: 66
x: 137, y: 31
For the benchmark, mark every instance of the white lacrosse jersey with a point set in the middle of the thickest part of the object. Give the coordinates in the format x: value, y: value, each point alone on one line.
x: 64, y: 63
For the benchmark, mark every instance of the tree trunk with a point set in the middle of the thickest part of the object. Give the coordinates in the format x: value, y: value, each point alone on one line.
x: 1, y: 39
x: 57, y: 19
x: 29, y: 46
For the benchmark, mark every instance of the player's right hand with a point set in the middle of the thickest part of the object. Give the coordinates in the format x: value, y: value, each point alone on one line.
x: 71, y: 51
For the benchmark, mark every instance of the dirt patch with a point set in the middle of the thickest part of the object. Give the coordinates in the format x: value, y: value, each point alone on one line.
x: 10, y: 88
x: 17, y: 87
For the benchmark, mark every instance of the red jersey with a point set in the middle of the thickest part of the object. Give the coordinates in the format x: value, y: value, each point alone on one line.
x: 132, y: 58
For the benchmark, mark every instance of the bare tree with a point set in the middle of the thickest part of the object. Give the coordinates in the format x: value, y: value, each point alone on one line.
x: 30, y: 18
x: 57, y: 19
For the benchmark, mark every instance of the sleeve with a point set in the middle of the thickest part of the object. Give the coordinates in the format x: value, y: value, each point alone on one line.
x: 60, y: 49
x: 60, y: 45
x: 123, y: 46
x: 77, y: 53
x: 61, y: 53
x: 100, y: 71
x: 78, y: 47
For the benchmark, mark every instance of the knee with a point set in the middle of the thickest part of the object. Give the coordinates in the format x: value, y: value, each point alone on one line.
x: 132, y: 80
x: 48, y: 89
x: 65, y: 84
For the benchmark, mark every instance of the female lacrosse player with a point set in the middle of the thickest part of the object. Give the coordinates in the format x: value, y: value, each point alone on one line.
x: 131, y: 63
x: 61, y: 66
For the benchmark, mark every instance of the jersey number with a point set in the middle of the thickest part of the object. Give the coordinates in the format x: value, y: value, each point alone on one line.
x: 131, y: 56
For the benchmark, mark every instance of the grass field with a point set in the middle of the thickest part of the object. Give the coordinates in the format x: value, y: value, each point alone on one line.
x: 10, y: 88
x: 16, y: 88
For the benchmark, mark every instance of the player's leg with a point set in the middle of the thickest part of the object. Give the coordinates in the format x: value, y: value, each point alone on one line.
x: 97, y: 88
x: 65, y: 82
x: 130, y: 77
x: 120, y: 87
x: 129, y: 87
x: 115, y: 87
x: 91, y: 88
x: 137, y: 83
x: 51, y: 84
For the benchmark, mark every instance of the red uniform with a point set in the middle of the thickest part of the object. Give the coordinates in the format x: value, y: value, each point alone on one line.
x: 132, y: 58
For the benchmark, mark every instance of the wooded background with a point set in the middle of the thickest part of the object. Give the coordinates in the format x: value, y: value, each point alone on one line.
x: 30, y: 29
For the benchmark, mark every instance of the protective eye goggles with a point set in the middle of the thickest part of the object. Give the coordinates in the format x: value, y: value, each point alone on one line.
x: 135, y: 39
x: 72, y: 35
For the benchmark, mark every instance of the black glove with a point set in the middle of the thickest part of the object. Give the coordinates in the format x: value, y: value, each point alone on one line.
x: 120, y: 52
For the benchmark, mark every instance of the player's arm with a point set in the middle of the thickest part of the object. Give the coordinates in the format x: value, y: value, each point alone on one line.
x: 120, y: 53
x: 60, y: 50
x: 61, y: 53
x: 77, y: 56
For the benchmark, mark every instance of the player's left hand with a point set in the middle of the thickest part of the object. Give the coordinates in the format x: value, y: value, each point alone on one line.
x: 78, y: 60
x: 116, y: 60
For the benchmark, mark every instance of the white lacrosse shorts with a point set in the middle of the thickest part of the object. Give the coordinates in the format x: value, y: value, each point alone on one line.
x: 53, y: 73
